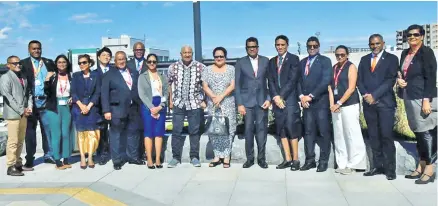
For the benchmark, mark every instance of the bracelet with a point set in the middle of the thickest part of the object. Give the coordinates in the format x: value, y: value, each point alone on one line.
x: 339, y: 103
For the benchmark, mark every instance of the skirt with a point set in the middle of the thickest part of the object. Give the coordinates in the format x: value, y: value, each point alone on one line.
x: 417, y: 120
x: 153, y: 127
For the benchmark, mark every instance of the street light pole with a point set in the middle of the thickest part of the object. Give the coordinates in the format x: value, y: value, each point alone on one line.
x: 197, y: 30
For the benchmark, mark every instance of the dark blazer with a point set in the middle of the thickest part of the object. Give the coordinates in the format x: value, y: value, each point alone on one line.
x: 50, y: 89
x: 116, y: 96
x: 249, y: 89
x: 379, y: 83
x: 289, y: 74
x: 317, y: 81
x: 421, y: 75
x: 133, y: 66
x: 27, y: 68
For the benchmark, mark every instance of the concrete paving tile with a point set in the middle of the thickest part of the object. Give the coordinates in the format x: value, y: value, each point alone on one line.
x: 4, y: 202
x: 26, y: 203
x: 407, y: 186
x: 426, y: 199
x: 9, y: 185
x: 304, y: 193
x: 309, y: 175
x: 56, y: 199
x: 376, y: 198
x: 161, y: 191
x: 73, y: 202
x: 21, y: 197
x: 259, y: 193
x: 205, y: 193
x: 126, y: 179
x: 217, y: 174
x: 255, y: 173
x: 367, y: 185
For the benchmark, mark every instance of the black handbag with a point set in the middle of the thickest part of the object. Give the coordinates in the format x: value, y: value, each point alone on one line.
x: 217, y: 125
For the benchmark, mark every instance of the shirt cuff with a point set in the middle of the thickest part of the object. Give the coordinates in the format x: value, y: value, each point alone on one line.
x: 301, y: 96
x: 311, y: 95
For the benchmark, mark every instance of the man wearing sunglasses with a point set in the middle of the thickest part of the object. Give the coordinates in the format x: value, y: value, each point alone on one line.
x: 36, y: 69
x: 377, y: 74
x: 315, y: 75
x: 18, y: 106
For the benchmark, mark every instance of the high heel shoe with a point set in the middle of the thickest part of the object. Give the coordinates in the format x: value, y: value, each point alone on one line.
x: 151, y: 167
x: 423, y: 182
x: 159, y: 166
x: 410, y: 176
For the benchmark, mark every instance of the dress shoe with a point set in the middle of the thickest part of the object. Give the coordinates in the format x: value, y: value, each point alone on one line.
x: 137, y: 162
x: 295, y: 165
x: 322, y: 167
x: 248, y: 164
x: 284, y: 165
x: 159, y: 166
x: 308, y: 166
x: 420, y: 181
x: 151, y: 167
x: 391, y: 176
x: 373, y: 171
x: 12, y: 171
x: 413, y: 176
x: 117, y: 167
x: 27, y: 168
x: 102, y: 161
x: 263, y: 164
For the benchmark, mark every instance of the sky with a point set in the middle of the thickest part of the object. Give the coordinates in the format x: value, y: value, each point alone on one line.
x: 169, y: 25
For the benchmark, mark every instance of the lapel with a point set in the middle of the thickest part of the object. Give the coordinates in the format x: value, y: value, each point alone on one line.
x: 122, y: 80
x: 283, y: 64
x: 260, y: 67
x: 313, y: 65
x: 16, y: 82
x: 93, y: 79
x: 250, y: 66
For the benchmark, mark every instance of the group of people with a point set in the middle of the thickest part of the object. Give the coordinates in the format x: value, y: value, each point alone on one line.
x: 112, y: 107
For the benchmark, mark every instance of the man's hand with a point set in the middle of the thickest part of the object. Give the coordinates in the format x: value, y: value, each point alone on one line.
x: 27, y: 112
x: 203, y: 105
x: 426, y: 107
x: 241, y: 109
x: 402, y: 83
x: 107, y: 116
x: 369, y: 98
x: 305, y: 101
x: 266, y: 104
x: 49, y: 74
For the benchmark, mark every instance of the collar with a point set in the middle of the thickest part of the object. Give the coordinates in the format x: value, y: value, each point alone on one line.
x: 256, y: 58
x: 378, y: 55
x: 283, y: 56
x: 190, y: 65
x: 123, y: 70
x: 311, y: 57
x: 139, y: 59
x: 33, y: 59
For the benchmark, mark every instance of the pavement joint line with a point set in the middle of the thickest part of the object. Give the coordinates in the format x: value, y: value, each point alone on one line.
x: 185, y: 184
x: 340, y: 188
x: 234, y: 188
x: 285, y: 186
x: 390, y: 182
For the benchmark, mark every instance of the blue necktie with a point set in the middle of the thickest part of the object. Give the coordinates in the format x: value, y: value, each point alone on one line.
x: 280, y: 62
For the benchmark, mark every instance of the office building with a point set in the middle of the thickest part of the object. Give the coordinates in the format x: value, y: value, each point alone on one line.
x: 430, y: 37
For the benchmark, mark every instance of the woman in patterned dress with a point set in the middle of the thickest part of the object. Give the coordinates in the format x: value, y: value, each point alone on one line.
x: 218, y: 84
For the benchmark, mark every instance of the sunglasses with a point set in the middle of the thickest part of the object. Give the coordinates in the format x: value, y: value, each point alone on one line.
x: 14, y: 63
x: 81, y: 63
x: 312, y: 46
x: 340, y: 55
x: 151, y: 62
x: 414, y: 34
x: 252, y: 47
x: 217, y: 57
x: 375, y: 44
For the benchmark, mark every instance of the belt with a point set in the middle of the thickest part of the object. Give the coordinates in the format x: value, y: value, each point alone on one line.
x: 40, y: 97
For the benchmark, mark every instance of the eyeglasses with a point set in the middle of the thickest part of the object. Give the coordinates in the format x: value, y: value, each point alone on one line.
x: 80, y: 63
x: 312, y: 46
x: 340, y: 55
x: 252, y: 47
x: 219, y: 57
x: 375, y: 44
x: 151, y: 62
x: 15, y: 63
x: 414, y: 34
x: 61, y: 62
x: 139, y: 50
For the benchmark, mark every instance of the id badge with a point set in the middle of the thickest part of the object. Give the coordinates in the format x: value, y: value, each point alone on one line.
x: 335, y: 92
x: 62, y: 102
x: 37, y: 82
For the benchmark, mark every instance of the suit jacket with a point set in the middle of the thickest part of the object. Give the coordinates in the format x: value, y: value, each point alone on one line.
x: 251, y: 90
x: 116, y: 96
x: 379, y: 83
x: 15, y: 96
x: 421, y: 75
x: 288, y: 75
x: 131, y: 64
x: 317, y: 81
x: 145, y: 89
x: 27, y: 69
x: 50, y: 89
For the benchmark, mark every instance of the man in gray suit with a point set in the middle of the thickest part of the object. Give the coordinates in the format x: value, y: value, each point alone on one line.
x: 253, y: 101
x: 17, y: 107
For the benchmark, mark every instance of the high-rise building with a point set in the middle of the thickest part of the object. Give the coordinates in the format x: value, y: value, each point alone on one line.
x: 430, y: 37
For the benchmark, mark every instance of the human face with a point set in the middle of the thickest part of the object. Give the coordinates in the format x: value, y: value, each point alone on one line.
x: 187, y: 54
x: 414, y: 37
x: 312, y: 47
x: 61, y: 64
x: 219, y: 58
x: 35, y: 50
x: 104, y: 58
x: 281, y: 46
x: 376, y: 45
x: 120, y: 61
x: 139, y: 51
x: 14, y: 64
x: 341, y: 55
x: 84, y: 65
x: 252, y: 49
x: 152, y: 63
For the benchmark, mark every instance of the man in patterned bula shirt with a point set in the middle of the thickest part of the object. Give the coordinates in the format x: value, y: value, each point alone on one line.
x: 186, y: 98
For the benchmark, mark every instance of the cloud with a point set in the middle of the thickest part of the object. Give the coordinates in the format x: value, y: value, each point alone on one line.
x: 14, y: 13
x: 3, y: 32
x: 89, y: 18
x: 168, y: 4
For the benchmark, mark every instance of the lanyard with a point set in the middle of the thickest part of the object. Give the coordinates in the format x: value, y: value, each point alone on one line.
x: 62, y: 90
x: 36, y: 70
x: 21, y: 81
x: 407, y: 63
x: 336, y: 75
x: 129, y: 81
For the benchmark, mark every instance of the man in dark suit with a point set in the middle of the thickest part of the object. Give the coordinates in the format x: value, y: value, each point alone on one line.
x: 377, y: 74
x: 36, y: 68
x: 120, y: 103
x: 283, y: 80
x: 316, y: 74
x: 253, y: 100
x: 103, y: 151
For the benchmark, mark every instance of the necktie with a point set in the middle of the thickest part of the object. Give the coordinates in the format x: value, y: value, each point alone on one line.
x: 280, y: 62
x: 307, y: 67
x: 373, y: 64
x: 138, y: 66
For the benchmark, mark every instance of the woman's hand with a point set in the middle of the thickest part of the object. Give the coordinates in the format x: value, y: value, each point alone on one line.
x: 426, y: 106
x: 335, y: 108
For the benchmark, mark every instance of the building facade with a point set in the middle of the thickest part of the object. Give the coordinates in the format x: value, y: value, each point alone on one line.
x: 430, y: 37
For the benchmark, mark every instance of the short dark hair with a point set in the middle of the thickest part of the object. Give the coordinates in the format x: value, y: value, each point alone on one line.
x: 34, y: 42
x: 283, y: 37
x: 220, y: 49
x: 152, y: 54
x: 91, y: 61
x: 343, y: 47
x: 313, y: 38
x: 252, y: 39
x: 104, y: 49
x: 375, y: 36
x: 69, y: 67
x: 416, y: 26
x: 10, y: 57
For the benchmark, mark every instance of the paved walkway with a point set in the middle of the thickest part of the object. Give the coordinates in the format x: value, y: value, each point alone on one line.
x: 189, y: 186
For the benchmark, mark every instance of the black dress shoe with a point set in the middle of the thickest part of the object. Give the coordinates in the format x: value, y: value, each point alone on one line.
x: 159, y: 166
x: 137, y: 162
x: 295, y: 165
x: 284, y: 165
x: 308, y: 166
x: 374, y: 171
x: 410, y: 176
x: 391, y: 176
x: 420, y: 181
x: 322, y: 167
x: 12, y: 171
x: 117, y: 167
x: 263, y: 164
x: 248, y: 164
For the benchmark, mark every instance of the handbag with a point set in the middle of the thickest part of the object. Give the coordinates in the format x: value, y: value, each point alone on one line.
x: 217, y: 125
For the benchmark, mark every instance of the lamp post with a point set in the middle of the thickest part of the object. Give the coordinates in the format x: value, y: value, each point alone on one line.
x: 197, y: 30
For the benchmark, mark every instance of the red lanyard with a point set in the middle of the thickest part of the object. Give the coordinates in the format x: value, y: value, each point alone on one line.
x: 407, y: 63
x: 336, y: 75
x: 62, y: 90
x: 21, y: 81
x: 128, y: 82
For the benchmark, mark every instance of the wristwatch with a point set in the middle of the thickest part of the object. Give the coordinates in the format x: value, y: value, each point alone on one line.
x: 339, y: 103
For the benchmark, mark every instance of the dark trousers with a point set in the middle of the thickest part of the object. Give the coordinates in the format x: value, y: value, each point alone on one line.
x: 317, y: 121
x: 256, y: 117
x: 103, y: 151
x: 427, y: 145
x: 380, y: 122
x: 193, y: 117
x: 124, y: 139
x: 39, y: 115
